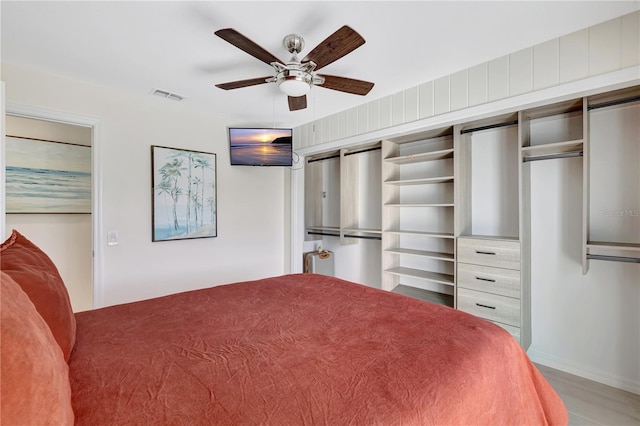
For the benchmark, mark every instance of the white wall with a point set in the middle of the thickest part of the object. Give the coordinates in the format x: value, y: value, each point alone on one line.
x: 251, y: 217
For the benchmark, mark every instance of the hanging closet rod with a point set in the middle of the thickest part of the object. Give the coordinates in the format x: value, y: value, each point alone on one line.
x: 326, y: 234
x: 363, y: 237
x: 615, y: 102
x: 324, y: 158
x: 346, y: 155
x: 491, y: 126
x: 363, y: 150
x: 613, y: 258
x: 552, y: 156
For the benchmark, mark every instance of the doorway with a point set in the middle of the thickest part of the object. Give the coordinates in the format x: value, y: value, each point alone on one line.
x: 69, y: 238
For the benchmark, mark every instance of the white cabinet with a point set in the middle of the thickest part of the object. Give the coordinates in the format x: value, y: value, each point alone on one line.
x: 418, y: 216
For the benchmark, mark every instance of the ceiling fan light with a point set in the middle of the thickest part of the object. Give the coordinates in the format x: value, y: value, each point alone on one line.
x: 294, y: 87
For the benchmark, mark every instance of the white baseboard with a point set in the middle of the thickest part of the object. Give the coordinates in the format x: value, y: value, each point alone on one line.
x: 585, y: 372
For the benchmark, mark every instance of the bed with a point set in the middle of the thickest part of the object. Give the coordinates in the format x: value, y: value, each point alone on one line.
x: 299, y: 349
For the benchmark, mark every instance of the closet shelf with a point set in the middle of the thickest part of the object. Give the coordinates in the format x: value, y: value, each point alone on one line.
x: 418, y: 158
x: 436, y: 277
x: 552, y: 148
x: 615, y: 252
x: 613, y: 246
x: 422, y: 233
x: 334, y: 231
x: 323, y: 228
x: 419, y: 205
x: 429, y: 296
x: 362, y: 231
x: 423, y: 181
x: 448, y: 257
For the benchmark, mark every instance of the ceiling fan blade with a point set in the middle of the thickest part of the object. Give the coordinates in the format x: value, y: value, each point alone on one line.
x: 243, y: 83
x: 334, y: 47
x: 297, y: 102
x: 344, y: 84
x: 243, y: 43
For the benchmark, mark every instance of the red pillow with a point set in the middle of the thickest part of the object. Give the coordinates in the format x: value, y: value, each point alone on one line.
x: 38, y: 277
x: 35, y: 377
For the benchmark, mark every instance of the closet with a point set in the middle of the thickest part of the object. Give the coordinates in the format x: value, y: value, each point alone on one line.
x: 342, y: 209
x: 450, y: 208
x: 489, y: 270
x: 611, y: 200
x: 418, y: 233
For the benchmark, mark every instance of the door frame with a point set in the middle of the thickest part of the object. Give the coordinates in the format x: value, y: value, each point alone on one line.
x: 96, y: 185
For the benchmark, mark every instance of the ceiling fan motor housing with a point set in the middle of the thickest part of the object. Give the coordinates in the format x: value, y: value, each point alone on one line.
x: 293, y: 43
x: 295, y: 78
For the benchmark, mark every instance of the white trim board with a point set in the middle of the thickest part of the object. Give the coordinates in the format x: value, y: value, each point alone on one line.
x: 582, y: 371
x: 3, y: 224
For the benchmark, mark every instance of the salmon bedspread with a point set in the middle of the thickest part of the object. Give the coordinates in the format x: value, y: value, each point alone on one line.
x: 301, y: 349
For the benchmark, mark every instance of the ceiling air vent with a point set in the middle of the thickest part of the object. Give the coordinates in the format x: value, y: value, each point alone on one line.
x: 165, y: 94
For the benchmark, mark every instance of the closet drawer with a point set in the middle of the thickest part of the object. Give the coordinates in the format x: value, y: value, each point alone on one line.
x: 514, y: 331
x: 505, y: 282
x: 501, y: 309
x: 489, y: 252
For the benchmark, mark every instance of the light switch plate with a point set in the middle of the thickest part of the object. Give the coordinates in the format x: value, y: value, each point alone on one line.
x: 112, y: 238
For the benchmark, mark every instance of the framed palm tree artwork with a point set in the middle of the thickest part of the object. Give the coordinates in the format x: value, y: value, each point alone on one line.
x: 183, y: 194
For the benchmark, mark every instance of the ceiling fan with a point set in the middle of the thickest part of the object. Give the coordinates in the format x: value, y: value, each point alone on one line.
x: 295, y: 77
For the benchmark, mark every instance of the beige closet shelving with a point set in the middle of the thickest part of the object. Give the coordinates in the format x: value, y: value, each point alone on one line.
x: 611, y: 224
x: 455, y: 205
x: 554, y: 132
x: 418, y: 216
x: 340, y: 188
x: 490, y: 281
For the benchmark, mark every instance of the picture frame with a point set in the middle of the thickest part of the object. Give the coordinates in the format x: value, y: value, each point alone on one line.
x: 184, y: 194
x: 44, y: 176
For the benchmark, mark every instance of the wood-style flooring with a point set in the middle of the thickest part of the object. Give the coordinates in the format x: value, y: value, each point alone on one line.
x: 592, y: 403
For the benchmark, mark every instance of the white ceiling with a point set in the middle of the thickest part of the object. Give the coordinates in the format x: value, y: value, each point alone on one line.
x: 170, y: 45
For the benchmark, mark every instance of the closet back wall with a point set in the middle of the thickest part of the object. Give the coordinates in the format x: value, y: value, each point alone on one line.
x: 591, y: 319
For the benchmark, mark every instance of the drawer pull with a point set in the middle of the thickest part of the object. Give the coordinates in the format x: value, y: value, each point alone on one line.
x: 485, y: 306
x: 486, y: 252
x: 486, y: 279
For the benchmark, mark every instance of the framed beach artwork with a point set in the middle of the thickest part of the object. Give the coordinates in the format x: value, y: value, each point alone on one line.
x: 46, y: 176
x: 183, y: 194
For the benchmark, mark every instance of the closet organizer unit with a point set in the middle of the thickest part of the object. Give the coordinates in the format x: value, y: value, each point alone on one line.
x: 611, y: 195
x: 456, y: 201
x: 342, y: 204
x: 418, y: 239
x: 490, y: 283
x: 553, y: 132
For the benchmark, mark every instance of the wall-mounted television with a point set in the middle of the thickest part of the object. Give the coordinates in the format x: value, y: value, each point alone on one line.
x: 260, y: 146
